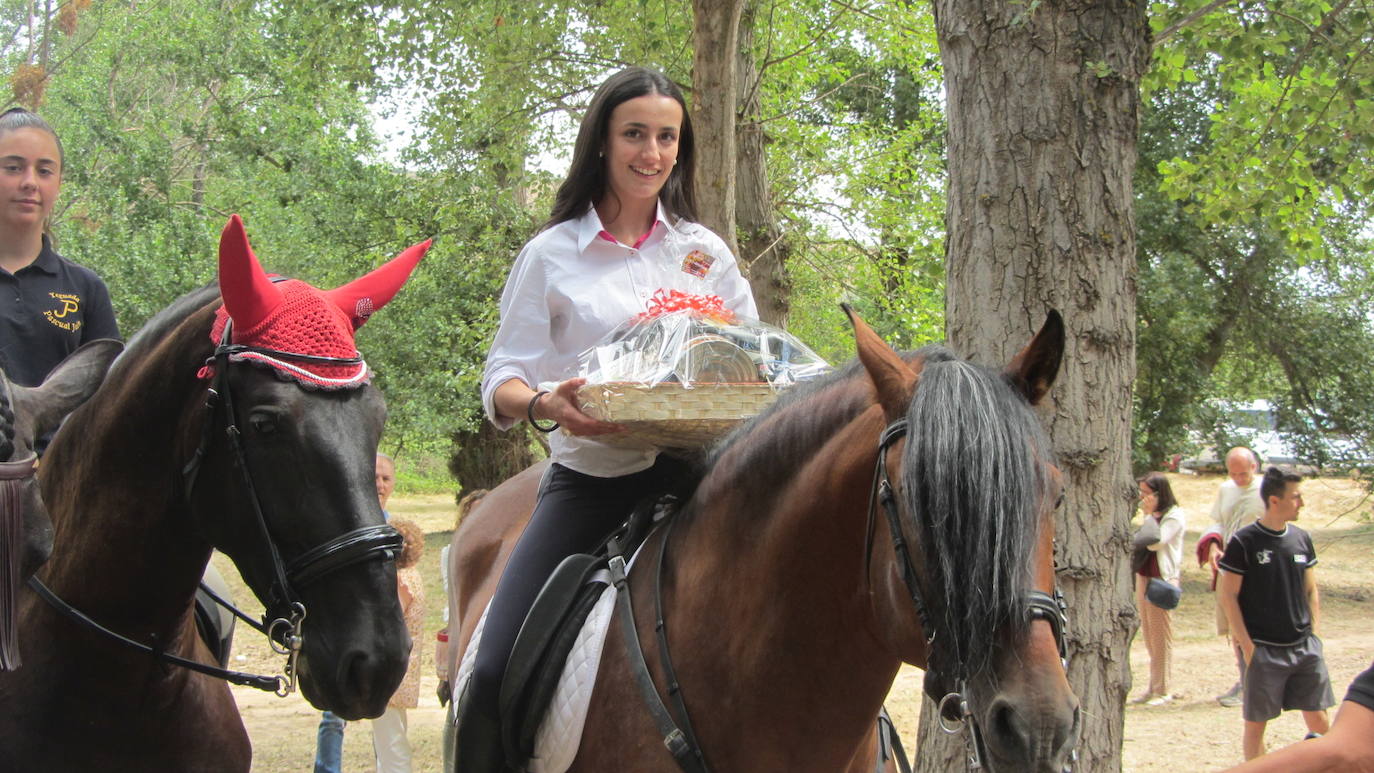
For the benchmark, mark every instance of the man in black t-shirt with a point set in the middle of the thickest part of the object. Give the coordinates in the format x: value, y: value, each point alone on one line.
x: 1268, y: 590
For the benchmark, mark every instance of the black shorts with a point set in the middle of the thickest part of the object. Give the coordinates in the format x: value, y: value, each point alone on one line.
x: 1280, y: 679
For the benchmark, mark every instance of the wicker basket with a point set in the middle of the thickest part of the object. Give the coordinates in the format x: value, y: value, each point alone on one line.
x: 669, y: 415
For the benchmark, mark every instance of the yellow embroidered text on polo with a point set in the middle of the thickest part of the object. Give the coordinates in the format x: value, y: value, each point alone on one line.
x: 68, y: 305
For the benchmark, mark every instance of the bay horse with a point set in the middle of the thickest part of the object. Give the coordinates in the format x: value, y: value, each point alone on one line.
x: 240, y: 418
x: 26, y: 415
x: 788, y: 611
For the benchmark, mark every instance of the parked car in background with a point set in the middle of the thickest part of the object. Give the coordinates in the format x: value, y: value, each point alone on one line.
x: 1254, y: 424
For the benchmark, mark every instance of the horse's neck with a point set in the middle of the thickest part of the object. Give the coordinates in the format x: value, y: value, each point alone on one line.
x: 783, y: 589
x: 112, y: 481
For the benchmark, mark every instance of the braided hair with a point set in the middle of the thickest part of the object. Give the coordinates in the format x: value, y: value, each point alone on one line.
x: 6, y: 421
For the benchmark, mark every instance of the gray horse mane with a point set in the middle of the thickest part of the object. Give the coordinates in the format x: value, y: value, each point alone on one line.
x: 974, y: 477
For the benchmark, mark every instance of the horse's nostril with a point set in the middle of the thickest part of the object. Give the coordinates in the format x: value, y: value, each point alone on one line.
x: 1007, y: 724
x: 354, y: 669
x: 1068, y: 739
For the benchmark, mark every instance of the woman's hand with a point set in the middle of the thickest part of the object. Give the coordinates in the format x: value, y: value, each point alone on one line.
x: 1149, y: 500
x: 561, y: 405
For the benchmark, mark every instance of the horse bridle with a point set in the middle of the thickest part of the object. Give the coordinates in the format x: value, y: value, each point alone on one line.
x: 284, y: 632
x: 381, y: 542
x: 1051, y: 608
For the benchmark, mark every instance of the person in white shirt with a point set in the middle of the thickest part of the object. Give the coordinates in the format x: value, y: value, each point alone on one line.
x: 621, y: 229
x: 1238, y: 504
x: 1163, y: 548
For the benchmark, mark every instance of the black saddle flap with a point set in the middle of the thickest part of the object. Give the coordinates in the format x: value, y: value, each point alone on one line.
x: 536, y: 660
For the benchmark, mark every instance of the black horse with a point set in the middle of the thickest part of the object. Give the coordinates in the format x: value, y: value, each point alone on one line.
x: 248, y: 427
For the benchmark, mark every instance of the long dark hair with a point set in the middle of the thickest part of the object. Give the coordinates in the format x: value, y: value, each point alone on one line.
x: 585, y: 184
x: 1164, y: 493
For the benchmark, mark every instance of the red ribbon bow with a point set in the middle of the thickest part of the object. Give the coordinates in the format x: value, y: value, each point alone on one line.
x: 668, y: 301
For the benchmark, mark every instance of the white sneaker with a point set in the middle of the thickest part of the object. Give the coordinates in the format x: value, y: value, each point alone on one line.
x: 1231, y: 697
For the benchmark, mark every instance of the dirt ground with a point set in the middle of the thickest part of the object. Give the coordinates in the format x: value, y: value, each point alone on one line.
x: 1192, y: 733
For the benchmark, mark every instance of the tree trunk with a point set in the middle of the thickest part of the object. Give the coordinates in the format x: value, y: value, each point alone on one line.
x: 1043, y: 110
x: 715, y: 38
x: 486, y: 457
x: 763, y: 248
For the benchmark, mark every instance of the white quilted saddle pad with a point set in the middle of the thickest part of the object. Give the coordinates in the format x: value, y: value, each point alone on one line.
x: 560, y: 733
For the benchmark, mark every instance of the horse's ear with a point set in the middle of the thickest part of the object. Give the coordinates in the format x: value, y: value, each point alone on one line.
x: 893, y: 379
x: 68, y: 385
x: 364, y: 295
x: 249, y: 296
x: 1033, y: 370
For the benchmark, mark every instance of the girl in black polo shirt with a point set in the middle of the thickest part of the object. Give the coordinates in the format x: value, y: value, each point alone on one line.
x: 49, y: 306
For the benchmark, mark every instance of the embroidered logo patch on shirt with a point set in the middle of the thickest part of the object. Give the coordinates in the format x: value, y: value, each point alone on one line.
x: 1264, y: 556
x: 697, y: 263
x: 1299, y: 558
x: 68, y: 304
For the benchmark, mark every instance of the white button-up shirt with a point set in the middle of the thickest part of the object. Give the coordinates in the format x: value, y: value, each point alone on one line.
x: 570, y: 286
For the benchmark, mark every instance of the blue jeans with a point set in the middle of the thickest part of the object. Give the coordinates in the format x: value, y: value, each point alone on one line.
x: 329, y: 744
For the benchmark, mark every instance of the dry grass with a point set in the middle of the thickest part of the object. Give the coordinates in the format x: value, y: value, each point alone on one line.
x: 1191, y: 734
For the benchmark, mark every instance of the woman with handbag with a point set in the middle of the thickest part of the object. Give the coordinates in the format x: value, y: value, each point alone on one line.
x: 1157, y: 561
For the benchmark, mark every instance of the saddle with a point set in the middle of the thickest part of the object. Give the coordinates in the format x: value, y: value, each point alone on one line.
x: 551, y: 630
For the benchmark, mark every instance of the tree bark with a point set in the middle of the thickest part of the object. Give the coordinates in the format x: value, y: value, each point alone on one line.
x: 1043, y: 110
x: 715, y: 38
x: 763, y: 247
x: 487, y: 456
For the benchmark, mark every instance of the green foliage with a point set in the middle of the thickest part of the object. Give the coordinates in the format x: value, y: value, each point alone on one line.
x: 1254, y: 301
x: 1253, y: 271
x: 1294, y: 80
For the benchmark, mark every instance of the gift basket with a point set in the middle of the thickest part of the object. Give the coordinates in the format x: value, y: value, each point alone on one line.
x: 687, y: 371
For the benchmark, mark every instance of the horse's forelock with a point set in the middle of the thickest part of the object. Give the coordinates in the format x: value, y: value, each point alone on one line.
x: 973, y: 477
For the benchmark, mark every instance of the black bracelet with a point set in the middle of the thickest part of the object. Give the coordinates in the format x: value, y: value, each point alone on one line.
x: 529, y: 411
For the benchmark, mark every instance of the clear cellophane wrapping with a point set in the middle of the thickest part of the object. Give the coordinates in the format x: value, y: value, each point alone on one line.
x: 687, y: 371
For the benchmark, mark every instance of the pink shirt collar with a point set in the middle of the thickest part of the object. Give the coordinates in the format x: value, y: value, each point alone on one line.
x: 604, y: 234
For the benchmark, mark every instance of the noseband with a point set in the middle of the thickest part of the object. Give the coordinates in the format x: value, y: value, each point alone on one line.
x: 1041, y: 606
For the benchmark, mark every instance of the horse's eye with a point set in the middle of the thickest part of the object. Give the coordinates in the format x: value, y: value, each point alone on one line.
x: 262, y: 424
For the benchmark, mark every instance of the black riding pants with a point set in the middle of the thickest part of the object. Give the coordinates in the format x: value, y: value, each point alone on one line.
x: 575, y: 513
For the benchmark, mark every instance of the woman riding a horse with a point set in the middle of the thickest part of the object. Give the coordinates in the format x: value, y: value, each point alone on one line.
x: 620, y: 221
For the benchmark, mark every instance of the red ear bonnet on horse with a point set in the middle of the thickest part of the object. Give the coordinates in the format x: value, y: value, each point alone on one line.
x: 290, y: 317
